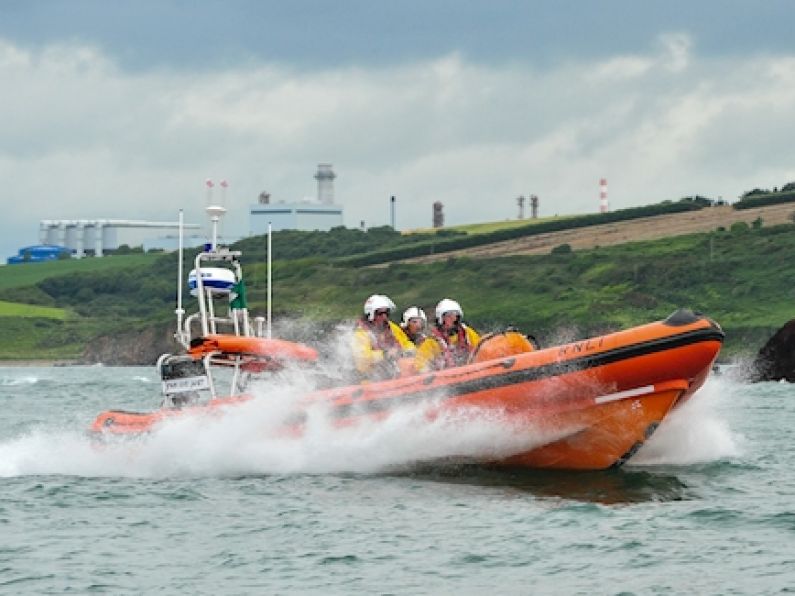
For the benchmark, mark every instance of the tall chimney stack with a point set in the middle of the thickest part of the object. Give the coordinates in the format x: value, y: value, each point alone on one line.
x: 325, y: 184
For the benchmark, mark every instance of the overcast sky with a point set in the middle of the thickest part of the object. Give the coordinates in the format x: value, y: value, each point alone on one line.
x: 122, y: 109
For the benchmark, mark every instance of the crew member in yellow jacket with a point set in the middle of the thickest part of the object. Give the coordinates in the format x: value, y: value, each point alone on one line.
x: 377, y: 341
x: 450, y: 342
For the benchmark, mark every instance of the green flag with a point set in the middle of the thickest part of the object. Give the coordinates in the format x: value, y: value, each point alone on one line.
x: 239, y: 293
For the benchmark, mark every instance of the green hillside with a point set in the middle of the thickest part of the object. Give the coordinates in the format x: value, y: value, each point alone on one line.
x: 37, y: 325
x: 18, y: 276
x: 741, y: 277
x: 15, y: 309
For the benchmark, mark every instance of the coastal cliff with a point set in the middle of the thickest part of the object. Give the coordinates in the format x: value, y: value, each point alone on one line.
x: 134, y: 348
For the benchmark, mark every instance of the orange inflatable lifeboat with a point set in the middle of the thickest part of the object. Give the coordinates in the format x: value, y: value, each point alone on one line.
x: 598, y: 399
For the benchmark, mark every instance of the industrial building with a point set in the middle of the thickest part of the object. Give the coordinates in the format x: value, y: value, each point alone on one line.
x: 62, y: 238
x: 95, y: 236
x: 40, y: 253
x: 319, y: 214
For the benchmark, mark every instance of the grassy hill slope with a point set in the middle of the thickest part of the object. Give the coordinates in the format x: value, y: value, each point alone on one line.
x: 26, y: 274
x: 741, y: 277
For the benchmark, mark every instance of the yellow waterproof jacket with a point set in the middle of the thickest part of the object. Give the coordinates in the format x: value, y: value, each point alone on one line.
x: 441, y: 350
x: 372, y: 348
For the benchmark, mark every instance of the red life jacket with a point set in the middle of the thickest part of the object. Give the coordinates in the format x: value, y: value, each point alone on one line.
x: 454, y: 354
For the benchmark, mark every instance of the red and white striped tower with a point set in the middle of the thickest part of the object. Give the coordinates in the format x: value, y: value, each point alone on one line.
x: 603, y: 195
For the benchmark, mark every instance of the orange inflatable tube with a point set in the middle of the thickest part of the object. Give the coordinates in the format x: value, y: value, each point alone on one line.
x: 278, y: 349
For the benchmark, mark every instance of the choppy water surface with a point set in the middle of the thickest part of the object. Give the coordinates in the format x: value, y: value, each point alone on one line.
x: 225, y: 506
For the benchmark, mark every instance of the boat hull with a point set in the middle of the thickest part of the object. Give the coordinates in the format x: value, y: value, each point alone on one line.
x: 603, y: 436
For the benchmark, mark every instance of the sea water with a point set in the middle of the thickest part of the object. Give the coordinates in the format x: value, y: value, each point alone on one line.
x: 229, y: 505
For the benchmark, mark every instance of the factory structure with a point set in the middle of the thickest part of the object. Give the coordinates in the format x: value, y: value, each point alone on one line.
x: 94, y: 237
x: 78, y: 238
x: 320, y: 213
x: 521, y: 200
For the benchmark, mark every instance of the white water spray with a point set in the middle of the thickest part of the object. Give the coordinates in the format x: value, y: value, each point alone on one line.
x: 695, y: 433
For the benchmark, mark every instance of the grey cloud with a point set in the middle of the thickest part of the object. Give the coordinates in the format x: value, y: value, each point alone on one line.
x: 85, y: 138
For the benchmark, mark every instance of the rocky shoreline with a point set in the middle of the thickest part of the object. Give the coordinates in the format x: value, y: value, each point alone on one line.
x: 133, y: 348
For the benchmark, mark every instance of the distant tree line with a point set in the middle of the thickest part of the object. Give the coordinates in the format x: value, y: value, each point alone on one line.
x: 337, y: 242
x: 759, y: 197
x: 115, y: 293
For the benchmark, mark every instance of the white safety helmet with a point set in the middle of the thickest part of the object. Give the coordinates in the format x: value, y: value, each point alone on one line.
x: 377, y: 302
x: 414, y: 312
x: 447, y: 305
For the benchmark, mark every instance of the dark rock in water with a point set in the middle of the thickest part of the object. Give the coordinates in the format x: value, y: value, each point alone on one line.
x: 132, y: 348
x: 776, y: 359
